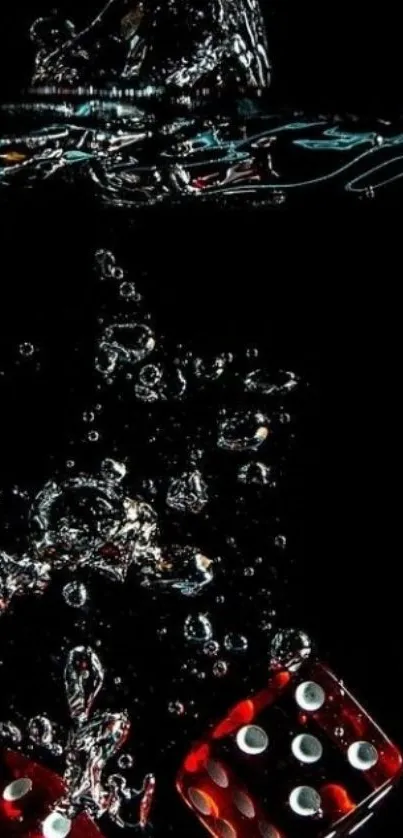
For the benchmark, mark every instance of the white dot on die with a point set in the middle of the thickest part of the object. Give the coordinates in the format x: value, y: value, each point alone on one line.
x: 17, y: 789
x: 306, y: 748
x: 252, y: 739
x: 310, y: 696
x: 305, y: 801
x: 362, y: 755
x: 56, y: 826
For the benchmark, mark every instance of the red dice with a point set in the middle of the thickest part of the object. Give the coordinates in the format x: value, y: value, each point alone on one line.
x: 29, y: 794
x: 300, y: 758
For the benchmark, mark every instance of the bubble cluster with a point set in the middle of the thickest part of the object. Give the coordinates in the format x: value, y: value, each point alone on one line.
x: 160, y: 528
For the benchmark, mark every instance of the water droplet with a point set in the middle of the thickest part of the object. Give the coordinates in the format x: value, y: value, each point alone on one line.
x: 75, y: 594
x: 290, y: 648
x: 198, y: 628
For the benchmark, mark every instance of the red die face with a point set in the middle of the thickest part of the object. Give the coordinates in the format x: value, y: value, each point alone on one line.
x: 28, y: 793
x: 300, y: 758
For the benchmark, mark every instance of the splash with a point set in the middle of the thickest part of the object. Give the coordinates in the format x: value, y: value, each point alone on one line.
x: 219, y: 43
x: 93, y: 740
x: 269, y: 159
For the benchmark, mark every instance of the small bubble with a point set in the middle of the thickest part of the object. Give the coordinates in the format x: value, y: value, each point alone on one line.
x: 235, y: 642
x: 243, y: 431
x: 339, y: 732
x: 258, y: 474
x: 280, y: 541
x: 220, y: 669
x: 40, y: 730
x: 127, y: 291
x: 88, y: 416
x: 93, y: 436
x: 26, y: 349
x: 9, y: 731
x: 75, y: 594
x: 125, y: 762
x: 112, y: 470
x: 176, y: 708
x: 211, y: 648
x: 198, y: 628
x: 249, y: 571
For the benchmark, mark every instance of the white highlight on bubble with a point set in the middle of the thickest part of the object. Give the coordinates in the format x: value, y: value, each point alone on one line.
x: 310, y: 696
x: 17, y: 789
x: 362, y: 755
x: 56, y: 825
x: 305, y: 801
x: 307, y: 748
x: 252, y: 739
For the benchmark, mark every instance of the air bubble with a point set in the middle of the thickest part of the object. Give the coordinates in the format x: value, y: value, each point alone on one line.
x: 290, y: 648
x: 198, y: 628
x: 125, y: 762
x: 26, y: 350
x: 235, y: 642
x: 211, y: 648
x: 220, y: 669
x: 243, y: 431
x: 257, y: 474
x: 75, y: 594
x: 40, y: 731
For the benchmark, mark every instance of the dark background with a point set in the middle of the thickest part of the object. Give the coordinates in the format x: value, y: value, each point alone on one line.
x: 276, y: 290
x: 335, y: 56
